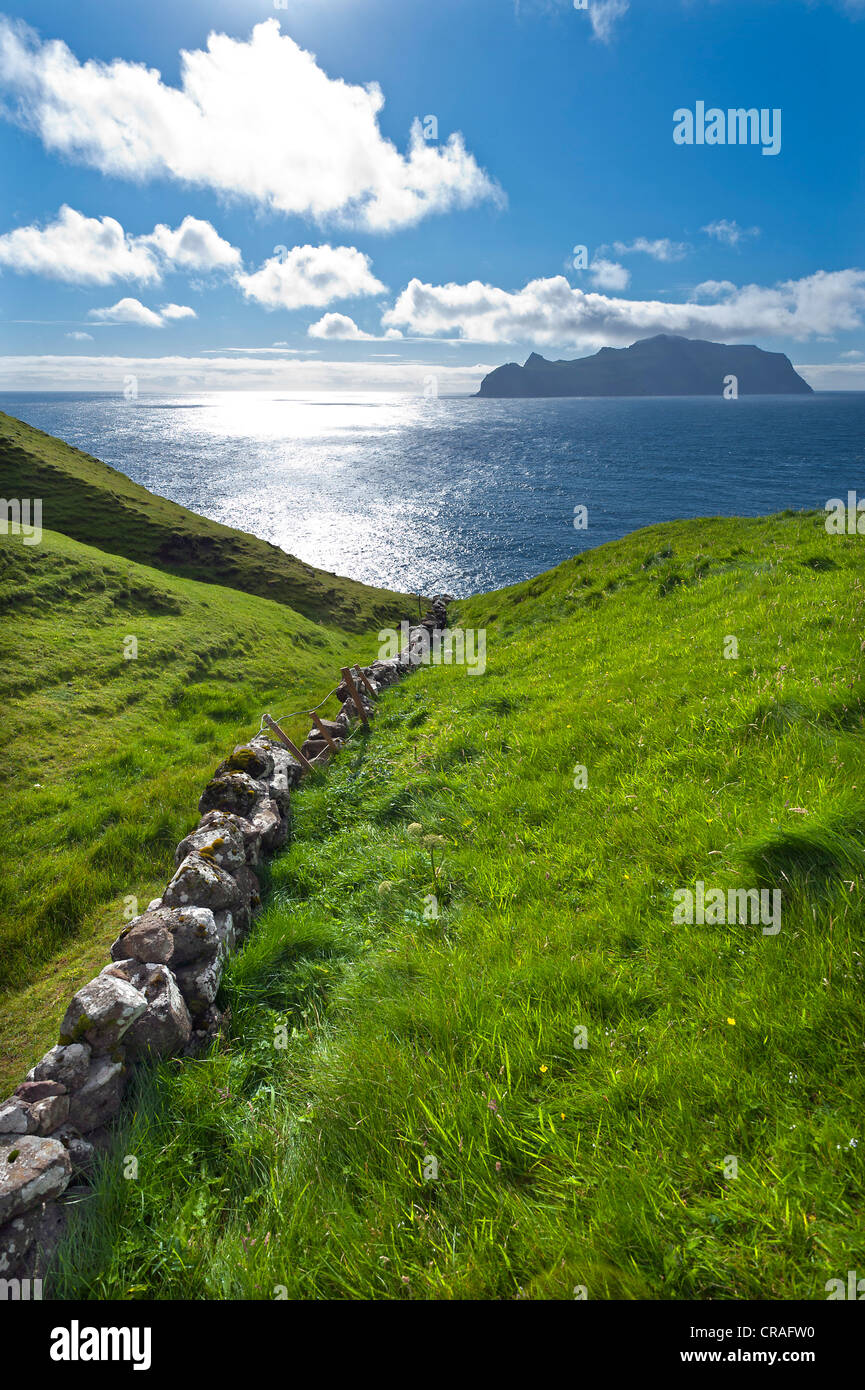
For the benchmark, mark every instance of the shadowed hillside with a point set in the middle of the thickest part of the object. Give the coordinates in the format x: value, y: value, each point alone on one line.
x: 92, y: 502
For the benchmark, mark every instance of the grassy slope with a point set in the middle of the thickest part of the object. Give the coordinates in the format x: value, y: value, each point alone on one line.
x: 91, y: 502
x: 103, y: 759
x: 303, y: 1166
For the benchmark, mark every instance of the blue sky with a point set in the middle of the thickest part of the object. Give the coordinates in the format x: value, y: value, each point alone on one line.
x: 267, y: 193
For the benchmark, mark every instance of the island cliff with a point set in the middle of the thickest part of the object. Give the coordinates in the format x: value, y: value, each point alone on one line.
x: 661, y: 366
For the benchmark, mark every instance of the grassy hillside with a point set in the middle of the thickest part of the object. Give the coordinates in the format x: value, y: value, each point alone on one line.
x: 412, y: 1039
x: 91, y: 502
x: 103, y: 757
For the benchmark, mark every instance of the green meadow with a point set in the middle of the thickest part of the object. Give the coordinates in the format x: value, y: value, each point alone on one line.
x: 469, y: 1054
x: 105, y: 753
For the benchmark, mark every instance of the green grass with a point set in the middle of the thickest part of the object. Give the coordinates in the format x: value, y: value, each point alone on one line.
x: 94, y: 503
x: 104, y: 758
x: 302, y: 1168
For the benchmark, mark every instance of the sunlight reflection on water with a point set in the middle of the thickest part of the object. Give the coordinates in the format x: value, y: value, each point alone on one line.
x: 458, y: 493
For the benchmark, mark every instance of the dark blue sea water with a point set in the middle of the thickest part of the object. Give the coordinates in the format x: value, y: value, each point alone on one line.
x: 461, y: 494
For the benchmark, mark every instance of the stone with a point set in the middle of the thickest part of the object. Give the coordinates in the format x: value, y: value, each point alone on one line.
x: 286, y: 773
x: 49, y: 1227
x: 249, y: 905
x: 50, y: 1112
x: 81, y: 1151
x: 199, y: 984
x: 270, y: 825
x: 349, y: 710
x: 386, y: 672
x: 254, y: 758
x: 208, y: 1025
x: 219, y: 844
x: 251, y: 837
x: 199, y: 883
x: 233, y: 791
x: 335, y: 727
x: 101, y: 1012
x: 166, y: 1025
x: 100, y: 1096
x: 39, y: 1090
x: 226, y: 931
x: 169, y: 936
x: 16, y: 1238
x: 250, y: 889
x: 33, y: 1170
x: 16, y: 1117
x: 68, y: 1065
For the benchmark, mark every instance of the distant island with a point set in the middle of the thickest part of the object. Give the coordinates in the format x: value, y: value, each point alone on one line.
x: 665, y: 365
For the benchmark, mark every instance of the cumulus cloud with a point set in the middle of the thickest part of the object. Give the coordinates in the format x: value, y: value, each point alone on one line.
x: 663, y: 249
x: 80, y: 337
x: 340, y: 327
x: 132, y: 311
x: 96, y: 250
x: 551, y: 312
x: 609, y: 275
x: 714, y: 289
x: 256, y: 119
x: 730, y: 233
x: 194, y: 245
x: 83, y: 250
x: 177, y: 311
x: 310, y: 277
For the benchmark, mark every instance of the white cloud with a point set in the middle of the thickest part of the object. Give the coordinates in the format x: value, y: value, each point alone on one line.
x: 663, y: 249
x: 609, y: 275
x: 714, y: 289
x: 256, y: 119
x: 604, y: 15
x: 83, y: 250
x: 310, y: 277
x: 177, y: 311
x: 96, y: 250
x: 338, y: 326
x: 194, y: 245
x: 551, y: 312
x: 730, y: 233
x: 176, y: 375
x: 834, y: 376
x: 854, y: 354
x: 80, y: 337
x: 127, y: 311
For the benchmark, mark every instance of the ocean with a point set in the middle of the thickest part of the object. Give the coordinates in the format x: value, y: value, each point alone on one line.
x: 457, y: 494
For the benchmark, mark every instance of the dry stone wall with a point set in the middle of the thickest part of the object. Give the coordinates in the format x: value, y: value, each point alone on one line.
x: 157, y: 995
